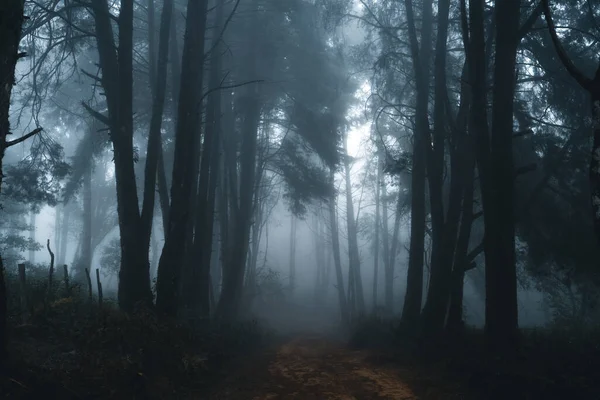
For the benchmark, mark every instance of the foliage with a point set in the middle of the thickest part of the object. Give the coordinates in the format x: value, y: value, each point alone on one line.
x: 110, y: 260
x: 36, y: 179
x: 83, y: 351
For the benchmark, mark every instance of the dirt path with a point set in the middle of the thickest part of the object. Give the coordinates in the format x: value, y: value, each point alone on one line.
x: 314, y: 368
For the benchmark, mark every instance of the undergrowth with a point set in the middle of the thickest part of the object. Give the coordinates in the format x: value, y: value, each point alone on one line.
x: 72, y: 349
x: 557, y: 362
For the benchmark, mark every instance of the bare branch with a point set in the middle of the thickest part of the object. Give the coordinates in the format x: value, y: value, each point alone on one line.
x: 100, y: 117
x: 220, y: 87
x: 23, y: 138
x: 224, y: 28
x: 90, y: 75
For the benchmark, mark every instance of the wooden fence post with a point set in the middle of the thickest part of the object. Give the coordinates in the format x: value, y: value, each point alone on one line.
x: 99, y: 287
x: 89, y: 281
x: 66, y: 278
x: 23, y: 290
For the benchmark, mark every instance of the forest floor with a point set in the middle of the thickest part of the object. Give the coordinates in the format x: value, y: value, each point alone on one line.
x: 314, y: 367
x: 72, y: 351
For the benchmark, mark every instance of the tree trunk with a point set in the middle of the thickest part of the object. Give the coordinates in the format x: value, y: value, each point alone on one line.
x: 385, y: 236
x: 354, y: 257
x: 188, y: 126
x: 209, y: 176
x: 117, y: 81
x: 335, y: 242
x: 502, y: 321
x: 444, y: 226
x: 231, y: 295
x: 392, y: 253
x: 64, y: 234
x: 495, y: 166
x: 11, y: 22
x: 58, y: 212
x: 420, y: 60
x: 462, y: 153
x: 292, y: 261
x: 32, y: 218
x: 85, y: 260
x: 377, y: 229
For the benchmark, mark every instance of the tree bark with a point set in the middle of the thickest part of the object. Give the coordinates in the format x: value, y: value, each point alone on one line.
x: 502, y: 320
x: 335, y: 242
x: 420, y: 61
x: 11, y: 22
x: 292, y: 262
x: 117, y: 81
x: 376, y: 244
x: 354, y: 256
x: 188, y: 127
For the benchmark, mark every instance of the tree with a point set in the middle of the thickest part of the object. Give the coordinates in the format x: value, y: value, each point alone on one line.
x: 592, y: 86
x: 11, y: 24
x: 135, y: 225
x: 187, y: 143
x: 420, y: 56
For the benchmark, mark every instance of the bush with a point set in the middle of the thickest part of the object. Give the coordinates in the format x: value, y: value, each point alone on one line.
x: 104, y: 353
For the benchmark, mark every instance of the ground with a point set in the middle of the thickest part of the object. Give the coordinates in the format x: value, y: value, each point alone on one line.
x: 316, y: 367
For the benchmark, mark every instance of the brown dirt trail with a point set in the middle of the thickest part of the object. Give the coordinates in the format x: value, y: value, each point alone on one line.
x: 314, y: 368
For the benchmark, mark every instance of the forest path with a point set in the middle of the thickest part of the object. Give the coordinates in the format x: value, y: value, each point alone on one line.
x: 312, y: 367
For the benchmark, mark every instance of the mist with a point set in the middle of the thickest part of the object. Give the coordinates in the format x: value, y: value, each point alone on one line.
x: 362, y: 181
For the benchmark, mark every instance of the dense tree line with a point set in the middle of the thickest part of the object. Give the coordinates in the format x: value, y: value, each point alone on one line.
x: 214, y: 106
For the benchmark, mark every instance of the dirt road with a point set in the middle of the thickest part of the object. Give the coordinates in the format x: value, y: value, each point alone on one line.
x: 314, y: 368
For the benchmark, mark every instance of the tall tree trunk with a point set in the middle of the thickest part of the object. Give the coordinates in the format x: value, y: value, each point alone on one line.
x: 385, y: 236
x: 354, y: 257
x: 85, y: 260
x: 421, y: 66
x: 158, y: 92
x: 188, y: 127
x: 502, y: 321
x: 58, y: 212
x: 335, y: 242
x: 117, y: 81
x: 208, y: 180
x: 64, y: 234
x: 377, y: 230
x: 229, y: 302
x: 32, y: 218
x: 462, y: 153
x: 292, y: 261
x: 444, y: 226
x: 11, y: 22
x: 495, y: 166
x: 391, y: 262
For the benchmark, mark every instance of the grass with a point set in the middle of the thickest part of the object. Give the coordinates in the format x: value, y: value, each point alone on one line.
x: 72, y: 349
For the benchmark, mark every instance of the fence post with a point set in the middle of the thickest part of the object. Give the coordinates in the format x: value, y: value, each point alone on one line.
x: 66, y: 278
x: 23, y: 290
x: 99, y: 287
x: 89, y: 281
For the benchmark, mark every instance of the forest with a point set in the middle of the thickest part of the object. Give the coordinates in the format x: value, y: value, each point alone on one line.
x: 300, y: 199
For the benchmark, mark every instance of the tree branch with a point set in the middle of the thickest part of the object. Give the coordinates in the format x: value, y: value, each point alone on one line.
x: 22, y: 138
x: 474, y: 253
x: 100, y: 117
x: 583, y: 81
x: 525, y: 169
x: 533, y: 17
x: 220, y: 87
